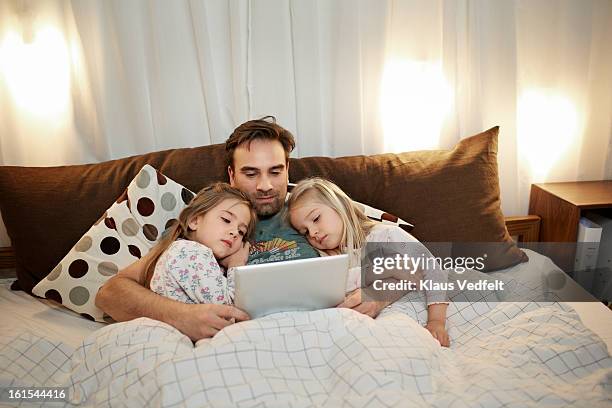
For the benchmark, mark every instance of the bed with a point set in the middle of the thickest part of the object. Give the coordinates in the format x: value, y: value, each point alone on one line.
x: 503, y: 353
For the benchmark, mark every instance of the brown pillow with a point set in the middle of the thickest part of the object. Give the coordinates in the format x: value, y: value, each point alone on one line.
x: 449, y: 195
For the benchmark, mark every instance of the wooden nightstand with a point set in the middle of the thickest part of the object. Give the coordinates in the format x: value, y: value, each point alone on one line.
x: 560, y: 206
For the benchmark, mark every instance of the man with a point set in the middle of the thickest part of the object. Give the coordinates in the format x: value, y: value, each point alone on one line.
x: 258, y: 164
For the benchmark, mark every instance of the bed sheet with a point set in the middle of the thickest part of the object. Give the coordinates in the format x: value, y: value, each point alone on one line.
x: 22, y: 312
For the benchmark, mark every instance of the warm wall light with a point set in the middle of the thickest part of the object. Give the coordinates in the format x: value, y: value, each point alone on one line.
x: 415, y: 99
x: 37, y: 73
x: 547, y: 124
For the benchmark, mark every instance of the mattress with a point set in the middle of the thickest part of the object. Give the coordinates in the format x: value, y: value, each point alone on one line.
x: 330, y: 357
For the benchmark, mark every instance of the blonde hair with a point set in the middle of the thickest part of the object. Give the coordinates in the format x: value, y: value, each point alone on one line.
x: 356, y: 225
x: 206, y: 199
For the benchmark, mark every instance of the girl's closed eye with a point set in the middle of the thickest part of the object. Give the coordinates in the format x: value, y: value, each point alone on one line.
x: 219, y: 218
x: 319, y: 223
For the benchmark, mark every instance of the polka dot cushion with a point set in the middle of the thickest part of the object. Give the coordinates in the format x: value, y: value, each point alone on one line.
x: 126, y: 231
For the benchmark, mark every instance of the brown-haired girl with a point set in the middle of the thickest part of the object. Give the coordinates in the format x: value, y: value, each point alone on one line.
x: 210, y: 233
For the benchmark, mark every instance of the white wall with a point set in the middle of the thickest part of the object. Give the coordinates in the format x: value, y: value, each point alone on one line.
x: 149, y: 76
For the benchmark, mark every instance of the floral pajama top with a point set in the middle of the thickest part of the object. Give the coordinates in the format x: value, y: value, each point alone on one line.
x: 188, y: 272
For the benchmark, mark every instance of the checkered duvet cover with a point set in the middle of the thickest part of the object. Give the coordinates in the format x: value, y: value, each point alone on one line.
x: 501, y: 355
x: 507, y: 354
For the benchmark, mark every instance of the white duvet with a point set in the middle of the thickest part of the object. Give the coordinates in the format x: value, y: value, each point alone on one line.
x: 501, y: 355
x: 505, y: 354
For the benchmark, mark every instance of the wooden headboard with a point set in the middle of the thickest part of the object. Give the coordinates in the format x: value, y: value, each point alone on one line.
x: 7, y: 258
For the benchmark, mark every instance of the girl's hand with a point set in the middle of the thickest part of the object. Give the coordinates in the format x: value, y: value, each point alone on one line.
x: 238, y: 258
x: 438, y: 331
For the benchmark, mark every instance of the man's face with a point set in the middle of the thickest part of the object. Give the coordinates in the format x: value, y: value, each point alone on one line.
x: 261, y: 173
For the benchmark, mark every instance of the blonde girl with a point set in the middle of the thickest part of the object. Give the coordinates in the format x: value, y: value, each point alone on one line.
x: 210, y: 234
x: 333, y: 224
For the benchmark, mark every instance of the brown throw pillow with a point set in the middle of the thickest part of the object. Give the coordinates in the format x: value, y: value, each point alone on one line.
x: 449, y: 195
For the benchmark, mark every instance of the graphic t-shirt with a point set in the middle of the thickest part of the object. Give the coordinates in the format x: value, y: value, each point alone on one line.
x: 275, y: 241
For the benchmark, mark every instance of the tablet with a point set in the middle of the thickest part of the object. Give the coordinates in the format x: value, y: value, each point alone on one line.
x: 304, y: 284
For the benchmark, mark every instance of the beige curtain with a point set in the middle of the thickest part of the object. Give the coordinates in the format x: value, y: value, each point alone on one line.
x: 87, y: 81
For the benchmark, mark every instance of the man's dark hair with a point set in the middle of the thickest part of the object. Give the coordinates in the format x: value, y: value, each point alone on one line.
x: 265, y: 128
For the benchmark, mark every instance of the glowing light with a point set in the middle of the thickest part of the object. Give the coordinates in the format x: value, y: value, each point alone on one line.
x: 415, y: 100
x: 37, y: 74
x: 547, y: 124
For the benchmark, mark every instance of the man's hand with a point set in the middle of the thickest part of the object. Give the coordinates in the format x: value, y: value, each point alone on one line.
x: 238, y: 258
x: 124, y: 298
x: 438, y: 331
x: 370, y: 308
x: 205, y: 320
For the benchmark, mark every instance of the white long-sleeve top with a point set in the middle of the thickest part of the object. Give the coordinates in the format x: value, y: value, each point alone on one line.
x: 394, y: 240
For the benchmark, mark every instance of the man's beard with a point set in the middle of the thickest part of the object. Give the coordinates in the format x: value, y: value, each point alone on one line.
x: 267, y: 209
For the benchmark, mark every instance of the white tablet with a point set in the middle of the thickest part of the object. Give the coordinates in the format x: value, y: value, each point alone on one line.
x: 305, y: 284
